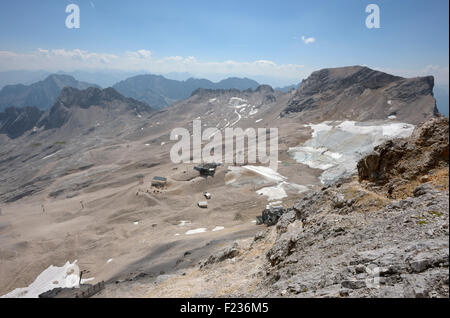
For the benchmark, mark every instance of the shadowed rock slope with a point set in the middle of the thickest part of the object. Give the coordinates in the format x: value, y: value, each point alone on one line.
x: 15, y: 121
x: 72, y: 101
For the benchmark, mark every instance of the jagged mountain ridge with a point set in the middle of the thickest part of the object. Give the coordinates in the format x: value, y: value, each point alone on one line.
x: 159, y: 92
x: 360, y: 93
x: 72, y: 99
x: 41, y: 94
x: 72, y: 105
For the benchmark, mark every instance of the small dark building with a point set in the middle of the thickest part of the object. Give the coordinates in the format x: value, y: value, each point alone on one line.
x: 159, y: 182
x: 207, y: 169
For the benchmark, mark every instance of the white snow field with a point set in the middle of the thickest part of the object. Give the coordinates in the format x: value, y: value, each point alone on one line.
x: 273, y: 193
x: 337, y: 147
x: 218, y: 228
x: 67, y: 276
x: 196, y: 231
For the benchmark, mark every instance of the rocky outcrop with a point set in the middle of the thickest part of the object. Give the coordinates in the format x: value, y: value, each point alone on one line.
x: 403, y: 160
x: 270, y: 216
x: 366, y: 248
x: 226, y: 253
x: 72, y: 98
x: 361, y: 93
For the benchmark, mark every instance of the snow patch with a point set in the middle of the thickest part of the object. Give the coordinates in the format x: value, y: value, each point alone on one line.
x: 253, y: 112
x: 49, y: 156
x: 239, y: 118
x: 196, y: 231
x: 235, y: 101
x: 273, y: 193
x: 218, y: 228
x: 67, y: 276
x: 336, y: 148
x: 266, y: 172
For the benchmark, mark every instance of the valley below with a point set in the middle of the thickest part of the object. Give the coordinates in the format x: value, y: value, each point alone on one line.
x: 76, y: 186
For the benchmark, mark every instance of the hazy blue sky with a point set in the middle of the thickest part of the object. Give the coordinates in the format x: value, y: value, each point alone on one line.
x: 247, y: 37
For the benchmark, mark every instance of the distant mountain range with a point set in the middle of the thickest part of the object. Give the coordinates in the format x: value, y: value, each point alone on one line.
x: 40, y: 88
x: 41, y: 94
x: 155, y: 90
x: 159, y: 92
x: 288, y: 88
x: 21, y: 77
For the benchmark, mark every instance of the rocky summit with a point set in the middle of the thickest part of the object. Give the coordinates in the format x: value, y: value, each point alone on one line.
x: 362, y: 93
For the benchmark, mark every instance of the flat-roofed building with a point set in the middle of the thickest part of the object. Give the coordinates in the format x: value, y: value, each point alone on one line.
x: 159, y: 182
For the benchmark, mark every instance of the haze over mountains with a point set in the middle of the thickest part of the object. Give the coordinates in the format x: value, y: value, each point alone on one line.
x: 160, y: 92
x: 357, y: 92
x: 157, y: 90
x: 41, y: 94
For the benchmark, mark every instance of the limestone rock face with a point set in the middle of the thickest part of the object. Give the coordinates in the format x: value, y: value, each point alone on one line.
x: 408, y: 158
x: 360, y: 93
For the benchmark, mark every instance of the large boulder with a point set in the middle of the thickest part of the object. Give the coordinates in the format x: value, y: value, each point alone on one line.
x: 270, y: 216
